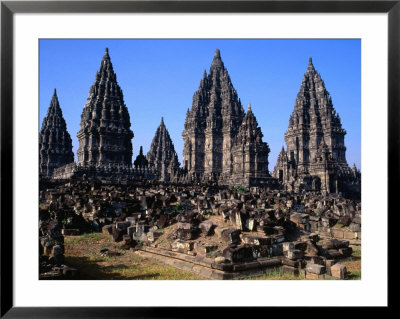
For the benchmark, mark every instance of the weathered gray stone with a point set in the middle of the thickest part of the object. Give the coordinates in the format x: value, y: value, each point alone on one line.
x: 55, y: 144
x: 315, y: 269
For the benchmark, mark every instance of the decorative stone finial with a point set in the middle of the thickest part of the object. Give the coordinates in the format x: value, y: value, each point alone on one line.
x: 310, y: 60
x: 249, y: 108
x: 55, y: 92
x: 217, y: 53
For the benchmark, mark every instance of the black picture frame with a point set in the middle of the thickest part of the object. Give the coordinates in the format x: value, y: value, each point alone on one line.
x: 9, y: 8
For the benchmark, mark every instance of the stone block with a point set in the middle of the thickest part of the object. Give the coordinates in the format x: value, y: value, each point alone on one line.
x: 294, y: 271
x: 317, y: 260
x: 276, y: 250
x: 315, y: 269
x: 256, y: 240
x: 332, y: 254
x: 287, y: 246
x: 339, y: 271
x: 219, y: 260
x: 131, y: 230
x: 346, y: 252
x: 356, y: 220
x: 178, y: 244
x: 300, y: 245
x: 108, y: 229
x: 250, y: 224
x: 117, y: 234
x: 294, y: 254
x: 355, y: 227
x: 299, y: 218
x: 228, y: 235
x: 237, y: 254
x: 206, y: 227
x: 122, y: 225
x: 311, y: 249
x: 310, y: 275
x: 70, y: 232
x: 337, y: 233
x: 349, y: 235
x: 291, y: 263
x: 184, y: 234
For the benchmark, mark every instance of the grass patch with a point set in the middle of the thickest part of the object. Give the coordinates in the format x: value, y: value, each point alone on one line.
x: 355, y: 275
x: 241, y: 189
x: 83, y: 237
x: 275, y: 274
x: 116, y: 268
x: 83, y: 253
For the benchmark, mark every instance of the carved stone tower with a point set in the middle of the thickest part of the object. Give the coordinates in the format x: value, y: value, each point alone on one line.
x: 162, y: 155
x: 211, y: 125
x: 105, y: 137
x: 250, y: 154
x: 141, y: 160
x: 316, y: 154
x: 55, y: 144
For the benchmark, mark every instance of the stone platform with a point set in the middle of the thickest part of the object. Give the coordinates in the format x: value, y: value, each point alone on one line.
x: 208, y: 269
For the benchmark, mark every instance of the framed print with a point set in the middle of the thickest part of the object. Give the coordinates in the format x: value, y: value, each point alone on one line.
x: 211, y: 146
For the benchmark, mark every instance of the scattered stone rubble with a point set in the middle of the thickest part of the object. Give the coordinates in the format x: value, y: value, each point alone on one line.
x: 218, y: 233
x: 51, y: 252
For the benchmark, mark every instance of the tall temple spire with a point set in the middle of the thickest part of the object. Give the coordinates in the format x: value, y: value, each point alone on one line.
x: 55, y: 144
x: 105, y: 134
x: 217, y: 61
x: 162, y: 155
x: 250, y: 153
x: 211, y: 124
x: 314, y: 134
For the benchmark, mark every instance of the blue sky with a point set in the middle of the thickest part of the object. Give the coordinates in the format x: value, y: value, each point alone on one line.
x: 159, y: 78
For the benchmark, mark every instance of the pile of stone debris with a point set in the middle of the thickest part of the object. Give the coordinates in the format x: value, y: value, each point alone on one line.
x: 51, y: 253
x: 227, y: 229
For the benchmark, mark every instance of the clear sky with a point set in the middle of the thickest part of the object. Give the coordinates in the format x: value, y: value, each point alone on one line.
x: 159, y: 78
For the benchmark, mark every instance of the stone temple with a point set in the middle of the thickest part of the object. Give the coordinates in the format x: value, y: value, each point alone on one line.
x: 105, y: 137
x: 211, y: 132
x: 223, y: 144
x: 55, y: 144
x: 162, y: 156
x: 250, y: 154
x: 315, y: 156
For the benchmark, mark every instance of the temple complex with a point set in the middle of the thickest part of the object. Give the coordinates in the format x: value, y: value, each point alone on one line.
x: 315, y: 156
x: 105, y: 137
x: 55, y: 144
x: 222, y: 144
x: 162, y: 155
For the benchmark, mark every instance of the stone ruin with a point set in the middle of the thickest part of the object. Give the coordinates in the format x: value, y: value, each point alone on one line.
x: 217, y: 233
x: 222, y: 144
x: 221, y: 215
